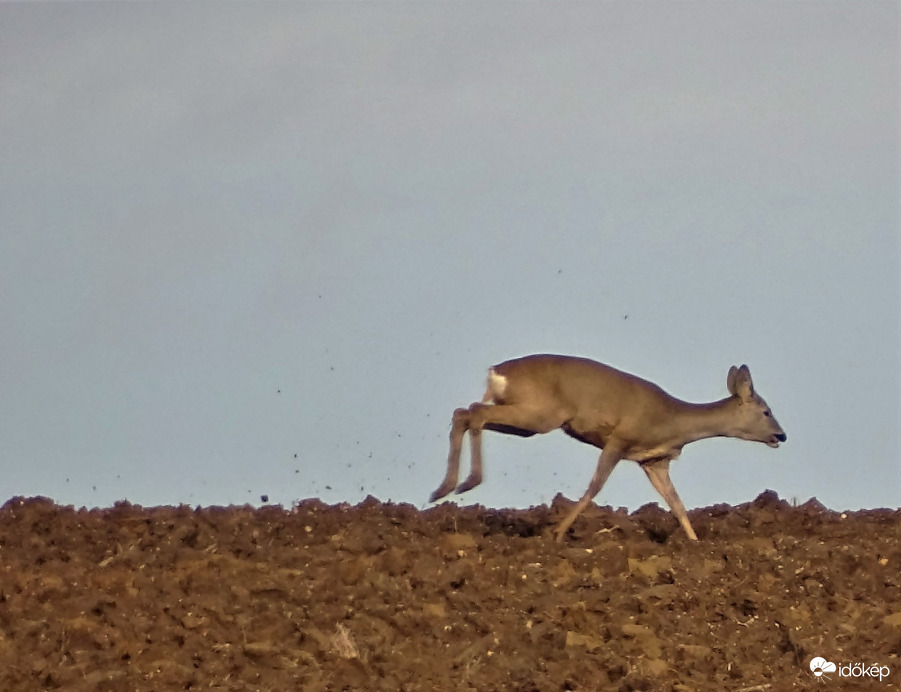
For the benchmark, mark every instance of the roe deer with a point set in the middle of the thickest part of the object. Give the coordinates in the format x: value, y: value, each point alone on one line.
x: 621, y: 414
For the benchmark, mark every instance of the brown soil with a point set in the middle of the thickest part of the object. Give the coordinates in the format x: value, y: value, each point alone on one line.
x: 386, y: 597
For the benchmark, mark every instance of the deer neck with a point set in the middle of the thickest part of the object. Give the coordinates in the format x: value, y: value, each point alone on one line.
x: 692, y: 422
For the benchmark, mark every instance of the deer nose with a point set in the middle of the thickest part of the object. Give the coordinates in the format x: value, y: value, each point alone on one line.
x: 782, y: 437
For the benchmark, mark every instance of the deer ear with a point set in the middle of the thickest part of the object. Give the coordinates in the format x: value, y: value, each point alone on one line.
x: 739, y: 383
x: 730, y: 380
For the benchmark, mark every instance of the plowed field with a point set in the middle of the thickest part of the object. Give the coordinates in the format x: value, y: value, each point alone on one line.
x: 387, y: 597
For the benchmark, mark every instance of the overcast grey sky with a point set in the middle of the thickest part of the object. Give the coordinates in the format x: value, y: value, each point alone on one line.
x: 267, y: 248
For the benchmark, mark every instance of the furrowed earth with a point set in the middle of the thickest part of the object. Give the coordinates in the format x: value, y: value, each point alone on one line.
x: 387, y: 597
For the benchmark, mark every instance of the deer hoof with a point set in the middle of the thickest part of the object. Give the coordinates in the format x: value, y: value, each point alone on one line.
x: 441, y: 492
x: 558, y: 536
x: 468, y: 484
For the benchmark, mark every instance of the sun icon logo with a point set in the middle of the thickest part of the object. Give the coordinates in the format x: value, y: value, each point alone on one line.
x: 819, y: 666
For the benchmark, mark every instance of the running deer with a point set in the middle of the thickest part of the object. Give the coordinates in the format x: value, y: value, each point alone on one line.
x: 624, y: 416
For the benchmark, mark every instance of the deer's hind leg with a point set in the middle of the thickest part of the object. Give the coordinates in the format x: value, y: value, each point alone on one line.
x: 459, y: 426
x: 511, y: 419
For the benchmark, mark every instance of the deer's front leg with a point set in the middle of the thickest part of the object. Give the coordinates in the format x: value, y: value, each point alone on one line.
x: 458, y: 428
x: 608, y: 460
x: 658, y: 474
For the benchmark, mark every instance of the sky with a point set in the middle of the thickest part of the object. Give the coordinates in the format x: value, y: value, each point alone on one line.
x: 266, y: 249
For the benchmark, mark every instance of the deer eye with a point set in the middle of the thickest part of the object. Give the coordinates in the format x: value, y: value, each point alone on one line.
x: 767, y: 414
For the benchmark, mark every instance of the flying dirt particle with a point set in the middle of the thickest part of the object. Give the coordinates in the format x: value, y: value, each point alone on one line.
x: 328, y: 487
x: 264, y: 498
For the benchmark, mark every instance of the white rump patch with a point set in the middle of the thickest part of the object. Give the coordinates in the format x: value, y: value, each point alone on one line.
x: 497, y: 385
